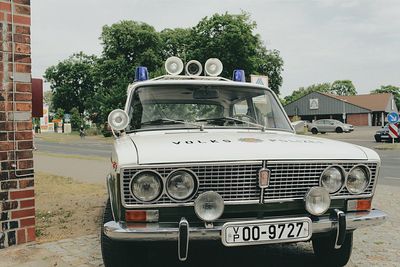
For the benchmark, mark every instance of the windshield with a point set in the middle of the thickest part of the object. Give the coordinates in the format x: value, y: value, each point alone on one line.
x: 191, y: 106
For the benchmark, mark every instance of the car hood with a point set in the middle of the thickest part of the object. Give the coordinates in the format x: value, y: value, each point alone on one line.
x: 212, y: 145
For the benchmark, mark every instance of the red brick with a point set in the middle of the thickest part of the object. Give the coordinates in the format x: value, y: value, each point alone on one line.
x: 24, y: 135
x: 22, y: 213
x: 23, y: 87
x: 25, y: 145
x: 22, y: 29
x: 3, y: 156
x: 22, y: 194
x: 26, y: 183
x: 1, y: 16
x: 27, y: 222
x: 23, y: 2
x: 25, y: 164
x: 21, y: 238
x: 22, y: 58
x: 23, y: 48
x: 27, y: 204
x: 5, y: 6
x: 31, y: 234
x: 24, y: 10
x: 19, y: 19
x: 24, y: 106
x: 6, y: 146
x: 24, y: 68
x: 6, y: 126
x: 25, y: 154
x: 25, y: 125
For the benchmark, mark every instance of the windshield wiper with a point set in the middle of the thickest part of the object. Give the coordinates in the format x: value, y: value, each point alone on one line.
x: 261, y: 127
x: 171, y: 121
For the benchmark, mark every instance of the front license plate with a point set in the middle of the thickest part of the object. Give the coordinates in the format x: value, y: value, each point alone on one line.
x: 266, y: 231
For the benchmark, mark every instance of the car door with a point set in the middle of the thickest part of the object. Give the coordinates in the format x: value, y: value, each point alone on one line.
x: 330, y: 125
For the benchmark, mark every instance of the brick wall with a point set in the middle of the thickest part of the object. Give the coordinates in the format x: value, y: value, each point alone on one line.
x: 17, y: 204
x: 358, y: 119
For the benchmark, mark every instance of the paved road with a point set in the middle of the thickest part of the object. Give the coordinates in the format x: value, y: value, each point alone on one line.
x: 85, y: 147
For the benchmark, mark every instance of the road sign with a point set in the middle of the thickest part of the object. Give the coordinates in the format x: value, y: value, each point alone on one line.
x: 393, y: 131
x: 259, y: 79
x: 393, y: 117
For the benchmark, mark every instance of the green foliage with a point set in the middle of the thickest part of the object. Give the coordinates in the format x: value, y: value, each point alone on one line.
x: 343, y: 87
x: 390, y: 89
x: 339, y: 87
x: 76, y: 119
x: 48, y: 99
x: 302, y: 91
x: 231, y: 38
x: 59, y: 114
x: 96, y: 86
x: 72, y: 82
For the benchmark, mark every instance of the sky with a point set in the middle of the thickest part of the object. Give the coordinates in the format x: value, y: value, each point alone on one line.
x: 319, y: 41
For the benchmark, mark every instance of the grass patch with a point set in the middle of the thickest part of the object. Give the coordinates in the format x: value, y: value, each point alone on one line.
x: 66, y: 208
x: 68, y: 156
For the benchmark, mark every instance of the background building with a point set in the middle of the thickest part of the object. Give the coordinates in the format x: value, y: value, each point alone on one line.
x: 360, y: 110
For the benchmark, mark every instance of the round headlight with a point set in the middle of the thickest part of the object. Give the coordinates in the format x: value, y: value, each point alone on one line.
x: 358, y: 179
x: 332, y: 179
x: 209, y: 206
x: 146, y: 186
x: 317, y: 200
x: 181, y: 185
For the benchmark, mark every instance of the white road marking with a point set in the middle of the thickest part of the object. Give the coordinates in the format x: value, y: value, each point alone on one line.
x: 393, y: 178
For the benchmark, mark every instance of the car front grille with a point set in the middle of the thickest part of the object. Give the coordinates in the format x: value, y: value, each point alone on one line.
x: 238, y: 182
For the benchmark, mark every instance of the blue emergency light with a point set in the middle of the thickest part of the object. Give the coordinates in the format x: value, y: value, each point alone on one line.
x: 141, y: 74
x: 239, y: 76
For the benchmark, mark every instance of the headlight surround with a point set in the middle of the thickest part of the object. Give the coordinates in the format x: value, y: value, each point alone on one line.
x: 181, y: 185
x: 146, y: 186
x: 332, y: 179
x: 358, y: 179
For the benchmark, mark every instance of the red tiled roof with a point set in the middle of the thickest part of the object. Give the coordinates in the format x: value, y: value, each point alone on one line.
x: 373, y: 102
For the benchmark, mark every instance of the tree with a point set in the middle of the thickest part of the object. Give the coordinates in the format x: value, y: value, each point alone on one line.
x: 389, y: 89
x: 302, y: 91
x: 343, y: 87
x: 72, y: 82
x: 48, y: 99
x: 175, y: 42
x: 126, y: 45
x: 76, y: 119
x: 231, y: 38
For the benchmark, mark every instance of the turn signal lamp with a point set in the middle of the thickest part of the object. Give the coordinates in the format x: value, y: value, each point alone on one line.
x: 141, y: 215
x: 359, y: 204
x: 141, y: 74
x: 239, y: 76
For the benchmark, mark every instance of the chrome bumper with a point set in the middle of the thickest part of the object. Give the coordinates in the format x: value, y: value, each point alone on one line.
x: 170, y: 231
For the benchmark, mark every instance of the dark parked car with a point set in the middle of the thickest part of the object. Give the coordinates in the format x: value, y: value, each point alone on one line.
x: 382, y: 135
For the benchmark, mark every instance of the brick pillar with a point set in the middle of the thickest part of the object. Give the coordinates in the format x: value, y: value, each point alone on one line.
x: 17, y: 204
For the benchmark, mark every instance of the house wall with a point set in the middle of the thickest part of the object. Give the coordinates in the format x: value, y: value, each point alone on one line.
x: 17, y: 203
x: 358, y: 119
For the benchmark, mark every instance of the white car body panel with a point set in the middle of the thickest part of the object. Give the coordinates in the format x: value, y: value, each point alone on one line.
x: 178, y: 146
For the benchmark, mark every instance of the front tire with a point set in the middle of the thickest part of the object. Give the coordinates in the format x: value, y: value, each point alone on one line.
x: 118, y: 253
x: 329, y: 256
x: 339, y: 130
